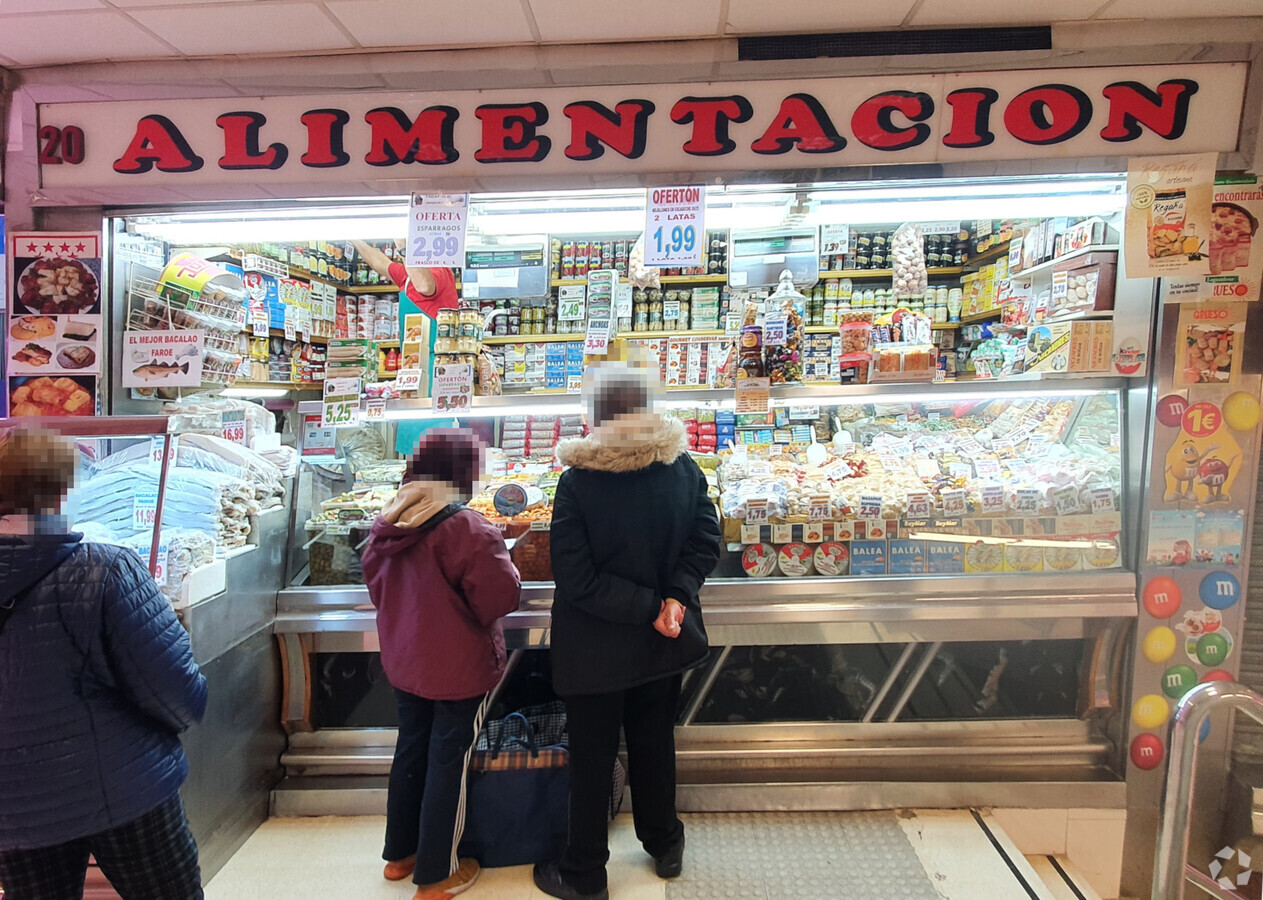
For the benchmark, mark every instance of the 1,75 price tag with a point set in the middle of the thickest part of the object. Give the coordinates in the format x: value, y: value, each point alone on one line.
x: 674, y: 230
x: 756, y: 511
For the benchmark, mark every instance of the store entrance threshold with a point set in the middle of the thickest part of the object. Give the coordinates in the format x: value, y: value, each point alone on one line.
x: 906, y: 854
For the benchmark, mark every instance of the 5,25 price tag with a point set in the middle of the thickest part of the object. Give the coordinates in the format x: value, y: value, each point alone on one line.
x: 674, y: 230
x: 341, y: 405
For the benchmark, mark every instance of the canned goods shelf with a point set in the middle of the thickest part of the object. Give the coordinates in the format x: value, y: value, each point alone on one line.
x: 314, y: 339
x: 886, y: 273
x: 665, y: 279
x: 832, y: 329
x: 530, y: 338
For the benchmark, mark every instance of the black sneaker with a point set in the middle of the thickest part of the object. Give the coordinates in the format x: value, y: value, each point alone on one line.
x: 671, y: 863
x: 548, y: 879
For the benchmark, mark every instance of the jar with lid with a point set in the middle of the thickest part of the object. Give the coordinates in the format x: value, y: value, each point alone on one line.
x: 846, y: 291
x: 869, y: 298
x: 515, y: 320
x: 955, y: 300
x: 550, y: 322
x: 640, y: 315
x: 655, y: 314
x: 444, y: 345
x: 466, y: 344
x: 830, y: 317
x: 830, y: 290
x: 686, y: 310
x: 446, y: 323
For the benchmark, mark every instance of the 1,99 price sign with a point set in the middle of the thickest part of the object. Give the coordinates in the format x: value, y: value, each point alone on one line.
x: 674, y: 230
x: 436, y: 230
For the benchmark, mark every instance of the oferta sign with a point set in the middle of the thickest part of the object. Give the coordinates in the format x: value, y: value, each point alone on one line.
x: 576, y: 131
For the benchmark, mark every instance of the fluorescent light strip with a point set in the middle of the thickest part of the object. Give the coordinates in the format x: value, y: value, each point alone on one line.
x: 488, y: 412
x: 260, y: 393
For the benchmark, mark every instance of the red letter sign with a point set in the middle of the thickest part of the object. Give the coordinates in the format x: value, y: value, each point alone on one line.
x: 873, y: 121
x: 801, y: 120
x: 971, y: 117
x: 324, y: 138
x: 396, y: 139
x: 508, y: 132
x: 157, y: 142
x: 1164, y: 111
x: 592, y: 125
x: 1048, y: 114
x: 710, y: 117
x: 241, y: 143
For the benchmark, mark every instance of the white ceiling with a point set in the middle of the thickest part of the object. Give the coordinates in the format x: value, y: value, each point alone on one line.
x: 55, y: 32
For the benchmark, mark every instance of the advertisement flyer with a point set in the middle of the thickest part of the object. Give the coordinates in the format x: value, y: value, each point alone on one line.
x: 674, y: 231
x: 53, y: 328
x: 436, y: 230
x: 453, y: 387
x: 1168, y: 216
x: 1236, y: 265
x: 162, y: 358
x: 1210, y: 339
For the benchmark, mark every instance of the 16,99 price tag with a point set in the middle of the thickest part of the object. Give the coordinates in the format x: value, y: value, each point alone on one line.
x: 674, y: 232
x: 233, y: 425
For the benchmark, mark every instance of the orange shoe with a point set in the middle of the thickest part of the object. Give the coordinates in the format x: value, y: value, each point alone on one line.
x: 461, y: 880
x: 398, y: 871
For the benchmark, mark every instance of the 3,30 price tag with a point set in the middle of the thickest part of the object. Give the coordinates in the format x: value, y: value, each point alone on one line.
x: 674, y: 231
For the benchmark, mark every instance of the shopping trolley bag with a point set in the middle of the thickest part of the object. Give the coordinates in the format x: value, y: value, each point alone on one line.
x: 516, y: 801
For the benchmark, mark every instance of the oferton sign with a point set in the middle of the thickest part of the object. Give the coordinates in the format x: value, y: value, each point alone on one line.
x: 667, y: 128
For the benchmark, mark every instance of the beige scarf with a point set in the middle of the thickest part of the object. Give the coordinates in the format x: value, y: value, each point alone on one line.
x: 419, y: 501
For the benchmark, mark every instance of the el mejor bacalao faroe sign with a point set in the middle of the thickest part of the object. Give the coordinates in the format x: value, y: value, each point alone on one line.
x: 805, y: 123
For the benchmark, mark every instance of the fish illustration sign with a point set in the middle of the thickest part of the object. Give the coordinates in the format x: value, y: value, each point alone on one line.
x: 162, y: 358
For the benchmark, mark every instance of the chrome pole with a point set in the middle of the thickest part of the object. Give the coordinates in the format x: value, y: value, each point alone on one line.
x: 914, y: 680
x: 895, y: 671
x: 1171, y: 857
x: 703, y: 689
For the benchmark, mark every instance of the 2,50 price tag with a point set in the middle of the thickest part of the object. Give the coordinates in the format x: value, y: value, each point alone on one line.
x: 674, y: 230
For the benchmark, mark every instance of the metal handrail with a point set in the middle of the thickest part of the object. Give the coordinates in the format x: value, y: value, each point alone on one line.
x: 1171, y: 858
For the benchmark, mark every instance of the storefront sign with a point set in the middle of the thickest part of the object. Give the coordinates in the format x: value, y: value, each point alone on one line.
x: 1236, y: 265
x: 1167, y: 230
x: 674, y: 232
x: 162, y: 358
x: 341, y: 402
x: 436, y: 230
x: 680, y: 128
x: 453, y: 388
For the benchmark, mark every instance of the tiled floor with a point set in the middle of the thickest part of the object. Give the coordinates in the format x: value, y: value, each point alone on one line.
x: 820, y: 856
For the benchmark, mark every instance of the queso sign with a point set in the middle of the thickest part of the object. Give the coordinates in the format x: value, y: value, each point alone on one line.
x: 657, y: 128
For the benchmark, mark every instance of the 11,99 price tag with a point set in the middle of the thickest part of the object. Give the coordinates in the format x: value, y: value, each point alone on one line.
x: 674, y: 231
x: 144, y: 508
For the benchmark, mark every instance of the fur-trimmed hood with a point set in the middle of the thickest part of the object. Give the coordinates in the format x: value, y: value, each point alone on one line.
x: 627, y: 444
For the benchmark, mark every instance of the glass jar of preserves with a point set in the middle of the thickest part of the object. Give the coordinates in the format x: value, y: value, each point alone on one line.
x: 444, y: 346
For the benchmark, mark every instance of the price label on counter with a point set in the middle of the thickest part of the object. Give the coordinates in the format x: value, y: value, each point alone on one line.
x: 144, y: 508
x: 1066, y: 499
x: 374, y: 409
x: 1060, y: 288
x: 992, y: 498
x: 233, y: 427
x: 870, y: 506
x: 834, y: 239
x: 341, y: 405
x: 819, y: 508
x: 756, y: 511
x: 890, y: 462
x: 987, y: 468
x: 1028, y: 501
x: 927, y: 468
x: 953, y: 502
x: 436, y: 230
x: 453, y: 388
x: 674, y: 230
x: 408, y: 380
x: 918, y: 506
x: 1102, y: 500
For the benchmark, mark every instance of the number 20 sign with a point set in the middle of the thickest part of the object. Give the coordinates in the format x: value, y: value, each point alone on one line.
x: 674, y: 231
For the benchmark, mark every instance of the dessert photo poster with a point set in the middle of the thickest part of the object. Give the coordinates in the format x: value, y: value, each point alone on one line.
x: 1168, y: 216
x: 52, y: 345
x: 1236, y: 265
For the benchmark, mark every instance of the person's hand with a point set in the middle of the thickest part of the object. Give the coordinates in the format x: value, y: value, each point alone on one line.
x: 670, y: 618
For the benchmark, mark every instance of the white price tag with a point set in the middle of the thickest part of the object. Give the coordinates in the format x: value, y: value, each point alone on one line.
x: 870, y: 506
x: 374, y: 409
x: 774, y: 330
x: 1102, y: 500
x: 918, y: 506
x: 341, y: 406
x: 570, y: 302
x: 732, y: 323
x: 408, y: 380
x: 574, y: 384
x: 597, y: 339
x: 960, y: 470
x: 623, y: 301
x: 987, y: 468
x: 144, y: 508
x: 155, y: 449
x: 233, y: 427
x: 1028, y: 501
x: 436, y: 230
x: 1066, y: 499
x: 834, y: 239
x: 954, y: 502
x: 927, y: 468
x: 453, y: 388
x: 819, y: 509
x: 160, y: 562
x: 674, y: 230
x: 756, y: 511
x: 291, y: 328
x: 992, y: 498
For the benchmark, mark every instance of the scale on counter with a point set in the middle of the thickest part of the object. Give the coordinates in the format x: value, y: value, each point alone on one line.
x: 504, y: 271
x: 756, y: 258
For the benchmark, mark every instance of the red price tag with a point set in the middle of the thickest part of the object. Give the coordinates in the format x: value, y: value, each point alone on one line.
x: 1201, y: 420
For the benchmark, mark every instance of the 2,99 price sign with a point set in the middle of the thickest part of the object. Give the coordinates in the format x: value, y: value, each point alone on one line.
x: 674, y: 230
x: 436, y: 230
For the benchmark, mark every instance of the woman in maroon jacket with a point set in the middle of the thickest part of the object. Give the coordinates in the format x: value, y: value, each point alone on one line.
x: 441, y: 579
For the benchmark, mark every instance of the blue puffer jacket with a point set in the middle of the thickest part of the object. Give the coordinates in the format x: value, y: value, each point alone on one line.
x: 97, y: 679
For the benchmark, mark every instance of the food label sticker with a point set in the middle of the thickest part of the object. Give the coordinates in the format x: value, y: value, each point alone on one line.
x: 750, y: 534
x: 144, y: 508
x: 953, y: 502
x: 1066, y: 499
x: 1102, y: 500
x: 918, y: 505
x: 819, y: 508
x: 992, y: 498
x: 782, y: 534
x: 233, y: 427
x: 674, y: 230
x: 341, y: 405
x: 436, y: 230
x: 374, y: 409
x: 987, y: 468
x: 756, y: 511
x: 870, y: 506
x: 1028, y: 500
x: 960, y: 470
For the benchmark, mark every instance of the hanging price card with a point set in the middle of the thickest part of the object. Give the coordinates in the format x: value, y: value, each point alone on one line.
x: 953, y: 502
x: 1066, y: 499
x: 436, y: 230
x: 597, y: 339
x: 756, y: 511
x: 992, y: 498
x: 819, y: 508
x: 1102, y: 500
x: 674, y: 232
x: 918, y: 506
x: 341, y: 406
x: 453, y: 388
x: 834, y: 239
x: 144, y: 508
x: 753, y: 395
x: 1028, y: 501
x: 870, y: 506
x: 774, y: 328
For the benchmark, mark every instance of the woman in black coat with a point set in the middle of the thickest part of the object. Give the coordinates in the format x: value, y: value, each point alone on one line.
x: 634, y: 536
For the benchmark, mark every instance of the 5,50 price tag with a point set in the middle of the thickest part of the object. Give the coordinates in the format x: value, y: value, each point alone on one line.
x: 674, y: 231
